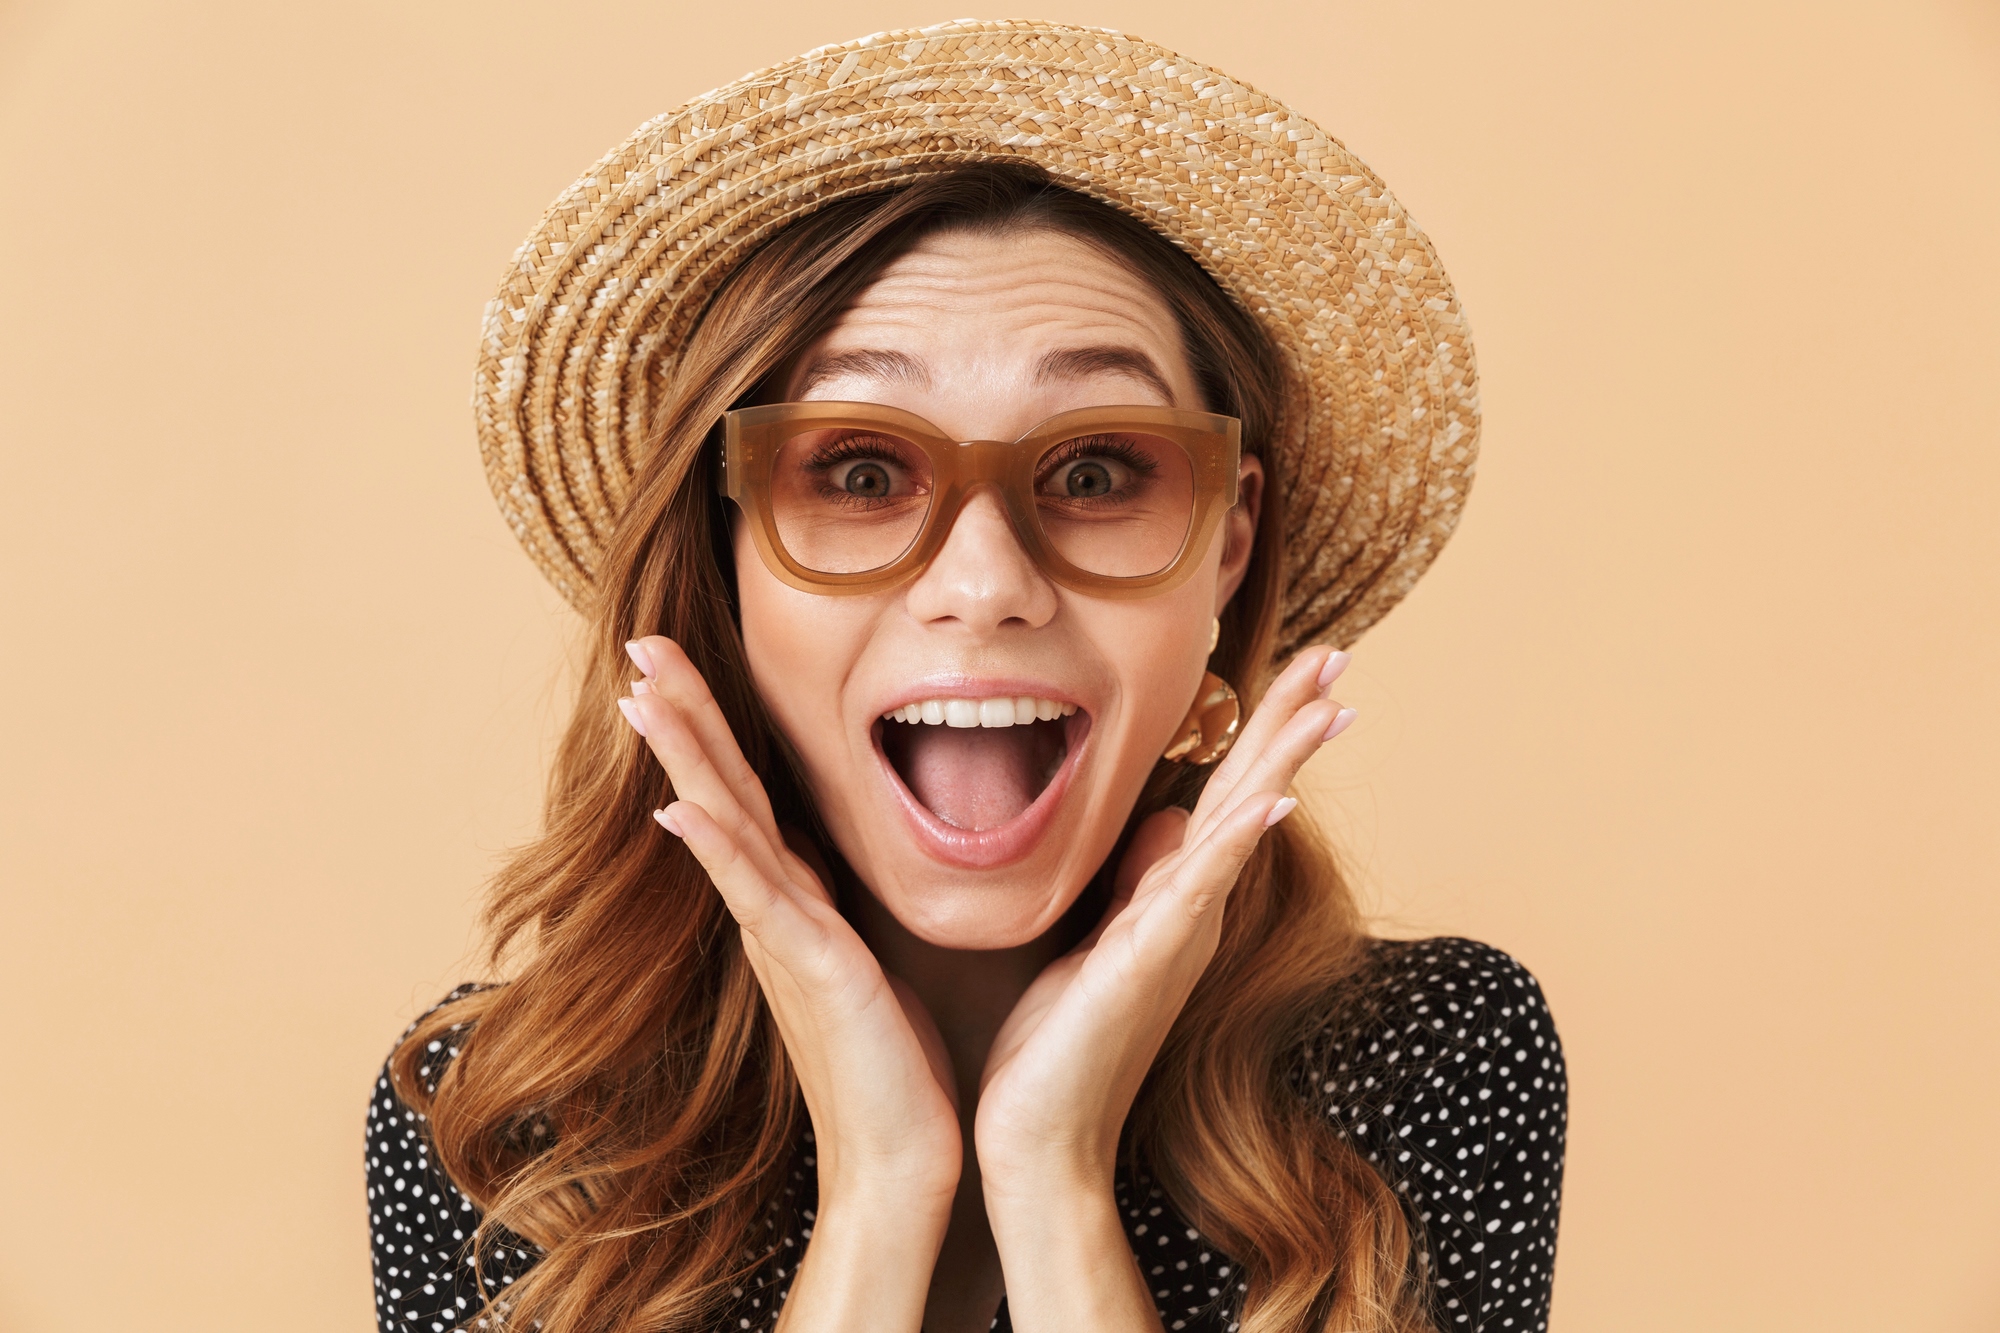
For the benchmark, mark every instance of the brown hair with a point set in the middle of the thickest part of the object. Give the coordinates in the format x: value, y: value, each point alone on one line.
x: 626, y: 1103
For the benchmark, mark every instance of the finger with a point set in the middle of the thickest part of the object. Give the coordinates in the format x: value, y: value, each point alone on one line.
x: 696, y: 778
x: 1297, y: 686
x: 1271, y: 772
x: 1271, y: 767
x: 781, y: 922
x: 1175, y: 914
x: 1208, y: 871
x: 674, y: 678
x: 1306, y: 680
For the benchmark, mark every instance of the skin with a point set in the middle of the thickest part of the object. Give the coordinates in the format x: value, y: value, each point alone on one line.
x: 968, y: 1064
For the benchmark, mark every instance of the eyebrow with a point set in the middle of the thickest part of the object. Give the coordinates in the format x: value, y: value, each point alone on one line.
x: 1077, y: 363
x: 866, y: 363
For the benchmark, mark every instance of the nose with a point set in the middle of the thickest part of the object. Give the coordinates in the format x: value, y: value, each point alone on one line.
x: 981, y: 577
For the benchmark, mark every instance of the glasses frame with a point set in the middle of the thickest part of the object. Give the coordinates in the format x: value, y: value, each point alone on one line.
x: 752, y: 437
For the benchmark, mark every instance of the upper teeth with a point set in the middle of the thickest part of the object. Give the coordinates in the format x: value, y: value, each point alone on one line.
x: 980, y: 712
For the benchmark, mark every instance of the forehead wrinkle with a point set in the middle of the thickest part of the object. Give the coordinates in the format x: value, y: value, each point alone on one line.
x: 1015, y: 294
x: 947, y: 270
x: 1064, y: 315
x: 977, y: 311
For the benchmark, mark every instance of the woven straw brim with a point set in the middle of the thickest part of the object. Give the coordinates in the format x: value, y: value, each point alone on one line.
x: 1380, y: 421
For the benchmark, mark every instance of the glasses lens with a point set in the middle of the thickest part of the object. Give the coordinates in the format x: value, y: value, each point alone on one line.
x: 1116, y: 504
x: 849, y: 499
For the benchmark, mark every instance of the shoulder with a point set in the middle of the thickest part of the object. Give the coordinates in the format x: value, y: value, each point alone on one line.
x: 1457, y: 989
x: 388, y: 1115
x: 1435, y: 1021
x: 396, y: 1137
x: 441, y: 1048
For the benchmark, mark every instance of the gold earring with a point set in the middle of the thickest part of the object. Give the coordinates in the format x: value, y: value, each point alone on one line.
x: 1209, y: 728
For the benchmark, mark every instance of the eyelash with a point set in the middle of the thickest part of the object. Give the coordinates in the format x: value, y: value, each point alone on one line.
x: 1096, y: 446
x: 853, y: 446
x: 1088, y: 446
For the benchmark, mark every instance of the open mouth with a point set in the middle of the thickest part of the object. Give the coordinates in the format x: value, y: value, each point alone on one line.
x: 977, y: 766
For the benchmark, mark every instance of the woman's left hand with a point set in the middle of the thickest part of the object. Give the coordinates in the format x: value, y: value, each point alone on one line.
x: 1068, y: 1062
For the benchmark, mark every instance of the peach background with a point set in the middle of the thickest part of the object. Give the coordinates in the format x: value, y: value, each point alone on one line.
x: 1697, y: 715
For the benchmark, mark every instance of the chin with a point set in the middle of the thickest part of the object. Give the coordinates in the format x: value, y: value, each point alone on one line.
x: 982, y: 912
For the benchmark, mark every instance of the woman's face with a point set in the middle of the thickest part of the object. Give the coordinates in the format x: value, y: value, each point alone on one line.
x: 982, y: 837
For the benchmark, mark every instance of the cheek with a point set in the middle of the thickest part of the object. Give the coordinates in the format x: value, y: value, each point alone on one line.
x: 801, y: 649
x: 1158, y: 648
x: 759, y: 599
x: 774, y: 640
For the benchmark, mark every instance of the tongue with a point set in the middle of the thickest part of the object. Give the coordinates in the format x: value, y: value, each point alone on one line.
x: 973, y: 777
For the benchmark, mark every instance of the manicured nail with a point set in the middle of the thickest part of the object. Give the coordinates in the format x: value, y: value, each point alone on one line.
x: 640, y: 687
x: 1284, y: 807
x: 639, y: 659
x: 1341, y: 722
x: 667, y: 822
x: 631, y: 713
x: 1335, y: 664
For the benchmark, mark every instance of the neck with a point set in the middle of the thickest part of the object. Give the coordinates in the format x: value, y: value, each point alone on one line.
x: 968, y: 993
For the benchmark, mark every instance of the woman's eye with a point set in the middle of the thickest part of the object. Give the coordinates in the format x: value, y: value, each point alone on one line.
x: 863, y: 479
x: 1088, y: 478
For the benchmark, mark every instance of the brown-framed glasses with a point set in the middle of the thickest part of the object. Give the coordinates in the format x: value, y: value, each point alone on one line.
x: 856, y: 497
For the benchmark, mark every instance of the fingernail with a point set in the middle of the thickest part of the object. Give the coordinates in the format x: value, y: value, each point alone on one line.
x: 1335, y: 664
x: 641, y: 687
x: 667, y: 822
x: 639, y: 658
x: 631, y: 713
x: 1284, y: 807
x: 1341, y: 722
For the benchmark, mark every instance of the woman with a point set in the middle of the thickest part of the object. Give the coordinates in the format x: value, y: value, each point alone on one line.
x: 903, y: 948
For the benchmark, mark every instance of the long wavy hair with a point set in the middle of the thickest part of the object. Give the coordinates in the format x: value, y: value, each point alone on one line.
x: 625, y: 1101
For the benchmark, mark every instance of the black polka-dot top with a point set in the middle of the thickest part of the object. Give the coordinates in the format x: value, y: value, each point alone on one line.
x: 1443, y: 1068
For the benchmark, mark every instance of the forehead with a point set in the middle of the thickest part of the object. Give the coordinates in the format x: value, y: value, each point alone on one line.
x: 1020, y: 275
x: 995, y: 306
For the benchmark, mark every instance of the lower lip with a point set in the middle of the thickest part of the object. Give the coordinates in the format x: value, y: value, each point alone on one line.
x: 986, y: 849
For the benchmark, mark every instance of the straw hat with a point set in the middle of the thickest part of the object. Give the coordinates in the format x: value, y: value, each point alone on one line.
x: 1380, y: 423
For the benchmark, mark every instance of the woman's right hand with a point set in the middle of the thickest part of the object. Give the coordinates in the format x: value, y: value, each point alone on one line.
x: 874, y: 1072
